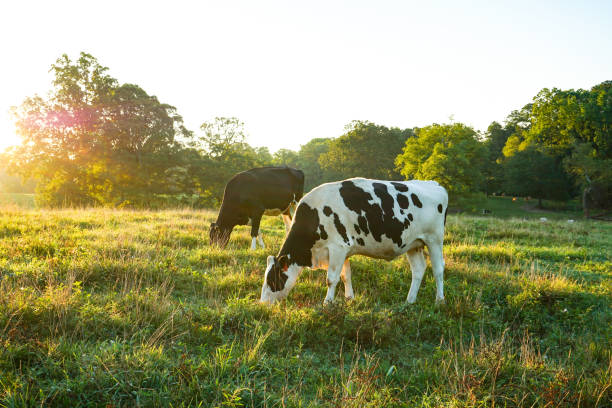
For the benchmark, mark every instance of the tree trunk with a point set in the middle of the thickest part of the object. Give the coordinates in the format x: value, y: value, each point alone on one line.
x: 585, y: 202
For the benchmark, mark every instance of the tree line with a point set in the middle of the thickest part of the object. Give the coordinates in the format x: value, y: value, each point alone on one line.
x: 95, y: 141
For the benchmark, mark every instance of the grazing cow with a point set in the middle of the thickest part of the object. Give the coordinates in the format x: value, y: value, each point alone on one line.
x: 253, y: 193
x: 379, y: 219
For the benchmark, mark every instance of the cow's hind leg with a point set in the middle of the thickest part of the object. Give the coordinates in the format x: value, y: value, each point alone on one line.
x: 437, y: 265
x: 286, y: 221
x: 336, y: 261
x: 346, y: 278
x: 417, y: 266
x: 255, y: 220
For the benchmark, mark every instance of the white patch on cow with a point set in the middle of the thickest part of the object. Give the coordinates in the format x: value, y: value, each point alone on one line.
x: 267, y: 295
x: 260, y: 239
x: 253, y: 243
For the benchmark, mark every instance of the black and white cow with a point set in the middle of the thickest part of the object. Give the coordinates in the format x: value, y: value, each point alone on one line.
x: 253, y: 193
x: 379, y: 219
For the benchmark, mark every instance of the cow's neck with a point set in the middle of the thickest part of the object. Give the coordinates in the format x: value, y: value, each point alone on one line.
x: 227, y: 217
x: 298, y: 251
x: 302, y: 236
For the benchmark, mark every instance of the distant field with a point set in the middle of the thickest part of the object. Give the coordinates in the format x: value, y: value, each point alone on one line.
x: 133, y: 308
x: 503, y: 207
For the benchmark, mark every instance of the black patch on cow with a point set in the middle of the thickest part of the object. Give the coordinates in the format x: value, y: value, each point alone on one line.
x: 402, y: 200
x: 440, y: 208
x: 363, y: 224
x: 341, y: 228
x: 302, y: 236
x: 357, y: 229
x: 327, y: 210
x: 360, y: 241
x: 379, y: 219
x: 416, y: 201
x: 399, y: 186
x: 410, y: 217
x: 406, y: 223
x: 276, y: 277
x: 322, y: 232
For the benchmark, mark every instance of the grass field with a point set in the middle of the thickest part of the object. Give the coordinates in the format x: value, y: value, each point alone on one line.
x: 133, y: 308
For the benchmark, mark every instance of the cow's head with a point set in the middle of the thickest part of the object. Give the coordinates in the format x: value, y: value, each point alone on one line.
x: 280, y: 277
x: 219, y: 235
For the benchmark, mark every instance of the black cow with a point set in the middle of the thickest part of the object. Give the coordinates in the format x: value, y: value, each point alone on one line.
x: 253, y: 193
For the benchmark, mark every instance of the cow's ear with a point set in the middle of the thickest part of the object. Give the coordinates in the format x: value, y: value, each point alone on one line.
x: 283, y: 261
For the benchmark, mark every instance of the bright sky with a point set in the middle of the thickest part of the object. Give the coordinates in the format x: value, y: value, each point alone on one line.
x: 295, y: 70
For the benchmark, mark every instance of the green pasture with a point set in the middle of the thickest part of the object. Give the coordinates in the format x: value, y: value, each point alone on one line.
x: 119, y: 308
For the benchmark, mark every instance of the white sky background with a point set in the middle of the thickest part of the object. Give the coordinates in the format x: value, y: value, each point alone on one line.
x: 295, y: 70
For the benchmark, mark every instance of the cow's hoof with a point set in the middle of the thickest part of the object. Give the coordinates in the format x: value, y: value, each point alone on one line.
x: 440, y: 302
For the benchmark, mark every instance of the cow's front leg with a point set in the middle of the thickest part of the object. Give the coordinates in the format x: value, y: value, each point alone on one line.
x: 346, y: 278
x: 260, y: 240
x: 333, y: 275
x: 437, y: 266
x: 417, y: 265
x: 255, y: 220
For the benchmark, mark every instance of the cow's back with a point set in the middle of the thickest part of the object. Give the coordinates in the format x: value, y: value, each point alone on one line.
x: 268, y: 187
x: 375, y: 217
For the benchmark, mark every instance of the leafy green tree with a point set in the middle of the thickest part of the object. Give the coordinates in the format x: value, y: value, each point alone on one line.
x: 365, y: 150
x: 308, y: 162
x: 518, y: 124
x: 495, y: 140
x: 263, y: 156
x: 594, y: 174
x: 225, y: 151
x: 222, y: 135
x: 285, y: 157
x: 13, y: 184
x: 450, y: 154
x: 93, y: 141
x: 530, y: 172
x: 575, y: 125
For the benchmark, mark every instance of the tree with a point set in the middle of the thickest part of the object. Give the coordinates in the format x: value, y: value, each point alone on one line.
x: 576, y: 126
x: 93, y: 141
x: 594, y: 174
x: 13, y: 184
x: 285, y: 157
x: 365, y: 150
x: 451, y: 154
x: 495, y: 140
x: 225, y: 151
x: 222, y: 135
x: 518, y: 124
x: 308, y: 162
x: 530, y: 172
